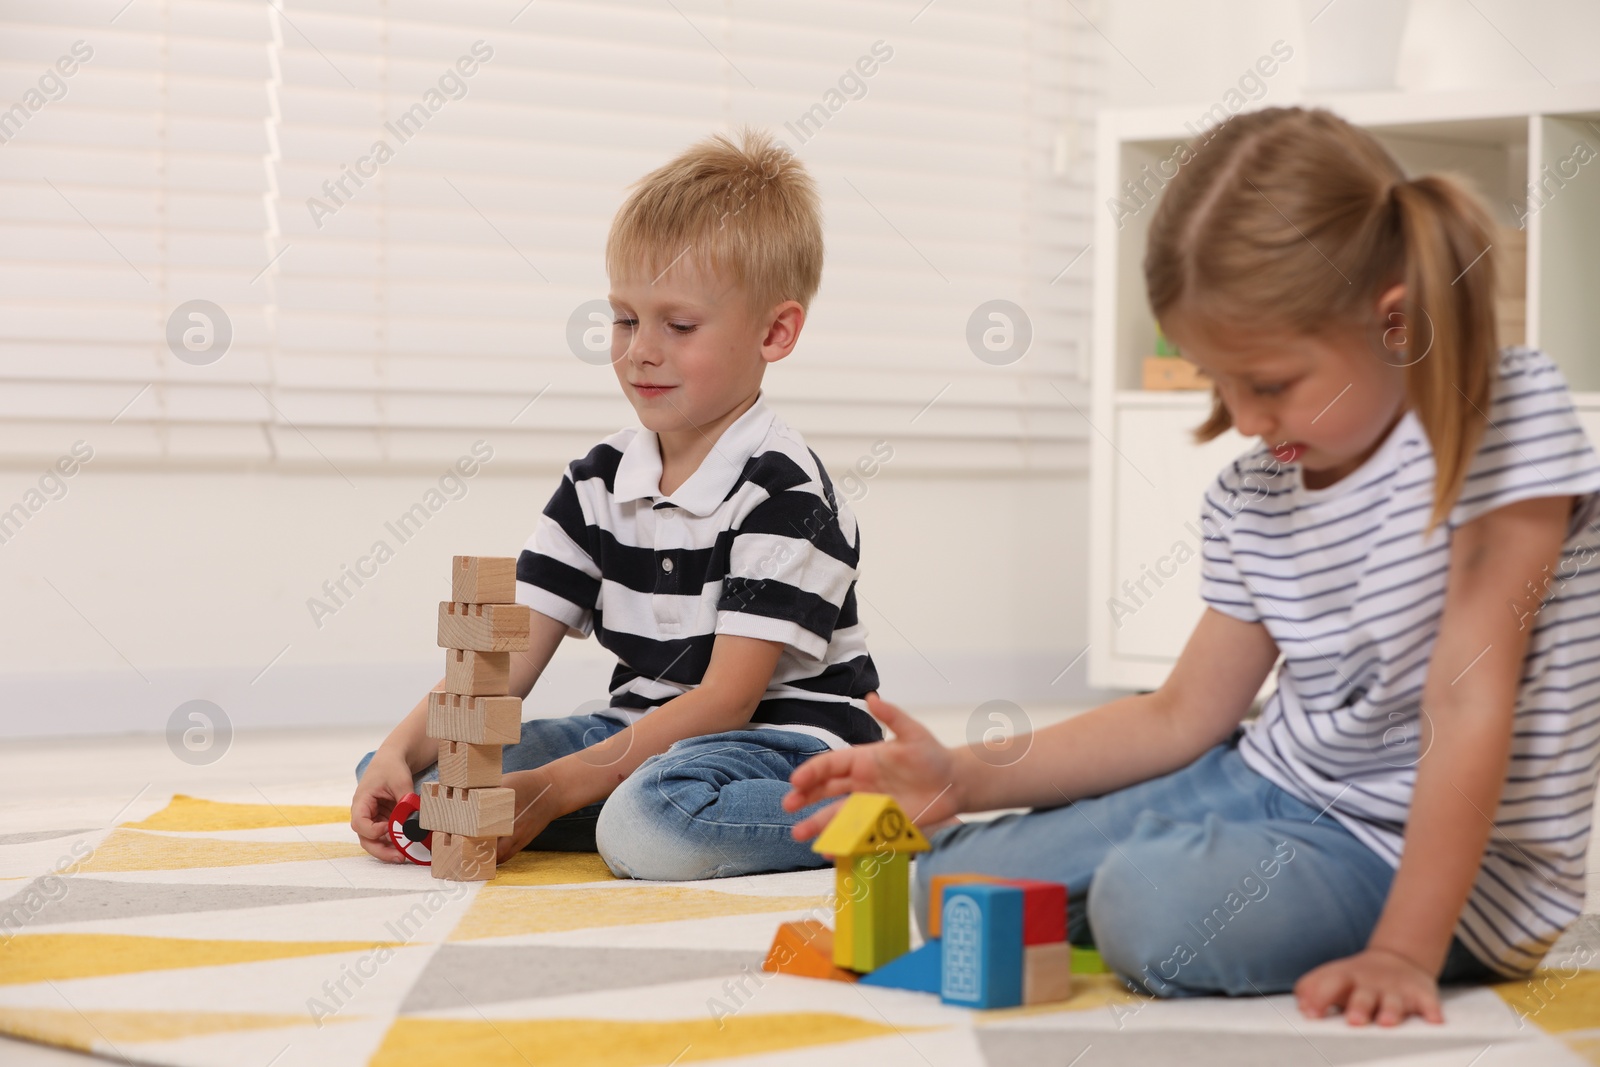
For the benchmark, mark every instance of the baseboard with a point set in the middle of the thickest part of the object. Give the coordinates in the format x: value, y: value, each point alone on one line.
x: 72, y: 703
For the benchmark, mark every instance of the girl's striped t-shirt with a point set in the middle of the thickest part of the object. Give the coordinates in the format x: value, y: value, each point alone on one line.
x: 1353, y: 594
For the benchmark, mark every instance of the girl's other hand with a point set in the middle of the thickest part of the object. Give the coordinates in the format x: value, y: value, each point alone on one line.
x: 914, y: 768
x: 1372, y: 986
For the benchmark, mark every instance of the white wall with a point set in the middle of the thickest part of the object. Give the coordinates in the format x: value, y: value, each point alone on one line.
x: 141, y: 589
x: 1183, y: 51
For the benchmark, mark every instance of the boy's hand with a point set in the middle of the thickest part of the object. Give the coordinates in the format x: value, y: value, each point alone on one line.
x: 1375, y: 985
x: 386, y: 780
x: 537, y: 804
x: 914, y: 768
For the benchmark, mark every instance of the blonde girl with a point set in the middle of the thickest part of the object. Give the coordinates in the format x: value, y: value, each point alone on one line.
x: 1415, y: 535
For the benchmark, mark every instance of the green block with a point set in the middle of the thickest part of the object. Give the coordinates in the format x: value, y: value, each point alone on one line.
x: 880, y: 921
x: 1088, y: 961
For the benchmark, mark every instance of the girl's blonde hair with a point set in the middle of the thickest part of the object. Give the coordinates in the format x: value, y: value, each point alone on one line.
x: 1293, y: 219
x: 747, y: 212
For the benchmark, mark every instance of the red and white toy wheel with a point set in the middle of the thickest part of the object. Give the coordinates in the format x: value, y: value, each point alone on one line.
x: 405, y: 830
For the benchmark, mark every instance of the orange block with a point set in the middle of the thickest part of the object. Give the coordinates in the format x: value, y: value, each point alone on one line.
x: 936, y: 894
x: 805, y: 948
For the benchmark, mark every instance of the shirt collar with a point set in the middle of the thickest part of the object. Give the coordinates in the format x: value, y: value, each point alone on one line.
x: 638, y: 474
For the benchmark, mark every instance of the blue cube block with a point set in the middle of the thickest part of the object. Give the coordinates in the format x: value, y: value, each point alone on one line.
x: 981, y: 936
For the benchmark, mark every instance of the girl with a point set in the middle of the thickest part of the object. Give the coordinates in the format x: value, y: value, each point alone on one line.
x: 1415, y: 534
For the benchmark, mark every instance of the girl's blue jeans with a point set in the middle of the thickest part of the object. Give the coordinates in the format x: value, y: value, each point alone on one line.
x: 1207, y: 880
x: 707, y: 807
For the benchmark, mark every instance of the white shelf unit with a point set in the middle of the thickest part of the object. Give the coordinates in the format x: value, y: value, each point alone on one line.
x: 1147, y: 477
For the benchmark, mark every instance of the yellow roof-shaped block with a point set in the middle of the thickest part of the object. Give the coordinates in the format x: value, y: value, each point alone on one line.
x: 870, y: 822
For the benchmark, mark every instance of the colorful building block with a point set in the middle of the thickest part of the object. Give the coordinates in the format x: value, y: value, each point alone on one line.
x: 1044, y: 904
x: 805, y: 948
x: 1088, y: 961
x: 917, y: 970
x: 1044, y: 910
x: 981, y: 962
x: 870, y: 840
x: 936, y: 890
x: 483, y: 579
x: 1046, y: 972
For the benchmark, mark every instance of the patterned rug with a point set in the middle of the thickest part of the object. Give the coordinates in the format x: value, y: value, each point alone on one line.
x: 240, y: 930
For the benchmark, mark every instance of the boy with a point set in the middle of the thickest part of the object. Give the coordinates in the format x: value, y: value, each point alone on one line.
x: 707, y: 550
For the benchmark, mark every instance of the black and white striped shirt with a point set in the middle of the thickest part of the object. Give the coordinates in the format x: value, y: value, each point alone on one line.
x: 1345, y: 583
x: 754, y: 543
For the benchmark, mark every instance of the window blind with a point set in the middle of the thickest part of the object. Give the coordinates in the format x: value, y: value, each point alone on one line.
x: 394, y: 212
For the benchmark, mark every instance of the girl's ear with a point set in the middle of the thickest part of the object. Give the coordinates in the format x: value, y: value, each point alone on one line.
x: 1391, y: 316
x: 1392, y: 299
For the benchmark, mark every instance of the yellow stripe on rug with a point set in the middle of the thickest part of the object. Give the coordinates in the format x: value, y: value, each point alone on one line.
x: 60, y: 957
x: 133, y: 850
x: 605, y: 1043
x: 201, y: 816
x: 81, y: 1030
x: 500, y: 912
x: 552, y: 868
x: 1556, y: 1001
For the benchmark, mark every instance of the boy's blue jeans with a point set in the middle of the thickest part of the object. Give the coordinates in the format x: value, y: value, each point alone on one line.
x: 1207, y: 880
x: 707, y: 807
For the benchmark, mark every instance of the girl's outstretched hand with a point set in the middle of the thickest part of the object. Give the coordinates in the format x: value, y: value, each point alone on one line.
x: 914, y: 768
x: 1371, y: 986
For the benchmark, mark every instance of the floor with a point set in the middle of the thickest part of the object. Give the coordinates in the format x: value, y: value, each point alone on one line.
x: 91, y: 782
x: 88, y: 781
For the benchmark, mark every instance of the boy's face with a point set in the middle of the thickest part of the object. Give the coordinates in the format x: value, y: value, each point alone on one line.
x: 688, y: 349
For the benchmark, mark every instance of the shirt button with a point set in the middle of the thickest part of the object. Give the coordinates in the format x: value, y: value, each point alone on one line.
x: 666, y: 565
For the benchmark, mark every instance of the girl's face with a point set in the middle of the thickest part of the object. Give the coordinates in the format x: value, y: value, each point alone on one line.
x: 1325, y: 402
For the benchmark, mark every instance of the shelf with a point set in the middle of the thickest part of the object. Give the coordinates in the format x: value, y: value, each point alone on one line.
x: 1517, y: 146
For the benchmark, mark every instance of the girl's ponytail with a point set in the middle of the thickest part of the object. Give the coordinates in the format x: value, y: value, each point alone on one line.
x: 1450, y: 346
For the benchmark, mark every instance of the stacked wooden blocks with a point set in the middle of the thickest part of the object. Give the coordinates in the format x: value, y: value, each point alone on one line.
x: 992, y: 942
x: 472, y: 717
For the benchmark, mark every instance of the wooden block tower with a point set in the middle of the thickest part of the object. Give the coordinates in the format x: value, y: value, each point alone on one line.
x: 472, y: 716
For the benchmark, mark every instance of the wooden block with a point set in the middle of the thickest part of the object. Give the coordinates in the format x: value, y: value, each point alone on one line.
x: 1173, y: 372
x: 483, y: 579
x: 1046, y: 972
x: 917, y: 970
x: 476, y: 673
x: 981, y: 961
x: 469, y: 812
x: 1044, y: 904
x: 469, y: 766
x: 484, y: 627
x: 872, y: 917
x: 805, y: 948
x: 1088, y: 961
x: 493, y: 720
x: 936, y: 890
x: 1044, y: 910
x: 463, y: 859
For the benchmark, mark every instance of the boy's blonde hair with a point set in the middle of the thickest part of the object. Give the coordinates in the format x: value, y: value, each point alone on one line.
x: 748, y: 212
x: 1293, y: 219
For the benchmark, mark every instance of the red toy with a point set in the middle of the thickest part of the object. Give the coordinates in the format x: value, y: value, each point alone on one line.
x: 405, y: 830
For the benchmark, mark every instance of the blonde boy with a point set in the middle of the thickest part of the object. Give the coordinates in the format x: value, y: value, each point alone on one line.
x: 706, y: 549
